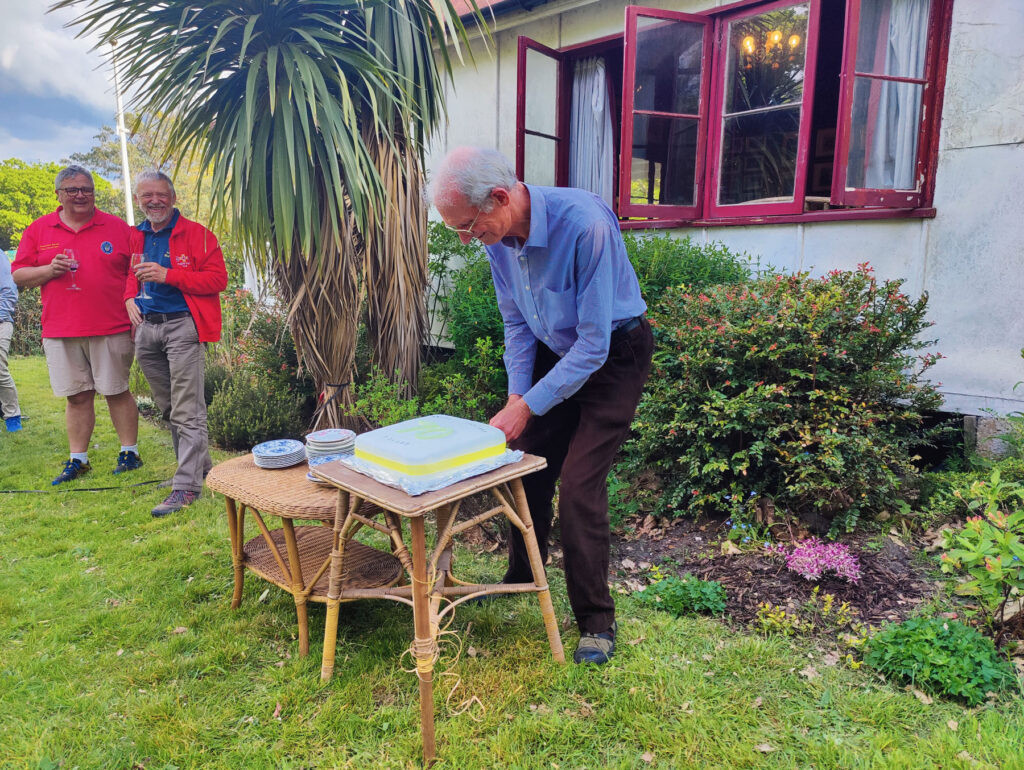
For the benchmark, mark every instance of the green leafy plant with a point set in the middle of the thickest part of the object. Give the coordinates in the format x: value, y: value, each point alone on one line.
x: 809, y: 392
x: 27, y: 339
x: 684, y: 596
x: 252, y: 408
x: 473, y: 387
x: 940, y: 656
x: 990, y: 547
x: 775, y: 620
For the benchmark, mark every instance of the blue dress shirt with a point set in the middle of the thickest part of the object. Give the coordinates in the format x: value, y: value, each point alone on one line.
x: 567, y: 287
x: 165, y: 298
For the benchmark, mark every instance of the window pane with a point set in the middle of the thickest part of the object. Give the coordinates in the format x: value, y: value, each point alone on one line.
x: 759, y: 157
x: 766, y: 59
x: 883, y: 135
x: 664, y: 164
x: 539, y: 160
x: 668, y: 66
x: 892, y: 37
x: 541, y: 92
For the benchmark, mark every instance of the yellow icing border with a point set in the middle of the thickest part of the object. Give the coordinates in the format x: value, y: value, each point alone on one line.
x: 424, y: 469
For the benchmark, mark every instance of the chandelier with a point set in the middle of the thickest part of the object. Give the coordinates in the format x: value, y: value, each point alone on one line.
x: 775, y: 47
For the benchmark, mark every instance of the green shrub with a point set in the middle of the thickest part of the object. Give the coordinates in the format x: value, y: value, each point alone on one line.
x: 377, y: 401
x: 251, y: 408
x: 473, y: 388
x: 662, y: 261
x: 27, y: 339
x: 944, y: 657
x: 804, y: 391
x: 684, y: 596
x: 990, y: 547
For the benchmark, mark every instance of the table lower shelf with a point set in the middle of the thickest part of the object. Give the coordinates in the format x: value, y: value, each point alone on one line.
x: 365, y: 567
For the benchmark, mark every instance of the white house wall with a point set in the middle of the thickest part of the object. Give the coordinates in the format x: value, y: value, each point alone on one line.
x: 968, y: 258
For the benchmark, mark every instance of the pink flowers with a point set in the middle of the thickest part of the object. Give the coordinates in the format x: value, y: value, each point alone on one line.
x: 811, y: 559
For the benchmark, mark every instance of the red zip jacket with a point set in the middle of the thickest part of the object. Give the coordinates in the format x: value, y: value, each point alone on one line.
x: 197, y: 271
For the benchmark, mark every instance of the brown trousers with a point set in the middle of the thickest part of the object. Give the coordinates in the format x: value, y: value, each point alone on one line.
x: 172, y: 358
x: 580, y: 438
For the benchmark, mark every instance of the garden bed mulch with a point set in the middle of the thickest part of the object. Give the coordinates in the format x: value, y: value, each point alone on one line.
x: 892, y: 584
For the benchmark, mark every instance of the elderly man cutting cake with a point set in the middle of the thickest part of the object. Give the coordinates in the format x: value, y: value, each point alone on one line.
x: 577, y: 352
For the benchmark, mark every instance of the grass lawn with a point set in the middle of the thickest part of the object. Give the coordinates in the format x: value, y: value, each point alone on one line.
x: 118, y: 649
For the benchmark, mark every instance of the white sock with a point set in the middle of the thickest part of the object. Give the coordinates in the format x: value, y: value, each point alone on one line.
x: 134, y: 448
x: 82, y: 457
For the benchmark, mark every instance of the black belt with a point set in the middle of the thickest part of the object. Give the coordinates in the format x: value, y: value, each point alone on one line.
x: 159, y: 318
x: 626, y: 328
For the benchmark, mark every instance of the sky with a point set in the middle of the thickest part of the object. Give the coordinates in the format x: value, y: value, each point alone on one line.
x: 55, y: 92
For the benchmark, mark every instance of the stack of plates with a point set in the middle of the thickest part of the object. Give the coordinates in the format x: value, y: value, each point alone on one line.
x: 332, y: 441
x: 320, y: 460
x: 279, y: 453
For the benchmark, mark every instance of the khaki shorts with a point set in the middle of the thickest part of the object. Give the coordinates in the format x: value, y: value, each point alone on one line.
x: 78, y: 364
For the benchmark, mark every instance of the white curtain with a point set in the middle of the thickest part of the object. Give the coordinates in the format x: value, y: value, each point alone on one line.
x: 591, y: 151
x: 893, y: 154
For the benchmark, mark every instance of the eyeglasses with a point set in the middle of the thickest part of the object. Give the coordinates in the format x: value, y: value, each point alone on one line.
x: 77, y: 190
x: 467, y: 230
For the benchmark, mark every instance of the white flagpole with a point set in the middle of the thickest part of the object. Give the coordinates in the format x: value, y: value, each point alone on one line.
x: 126, y: 181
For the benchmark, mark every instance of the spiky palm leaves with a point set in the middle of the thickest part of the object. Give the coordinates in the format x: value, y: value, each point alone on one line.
x: 311, y: 116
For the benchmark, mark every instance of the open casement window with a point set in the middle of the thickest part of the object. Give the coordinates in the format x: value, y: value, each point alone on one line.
x: 882, y: 141
x: 665, y: 83
x: 542, y: 150
x: 762, y: 106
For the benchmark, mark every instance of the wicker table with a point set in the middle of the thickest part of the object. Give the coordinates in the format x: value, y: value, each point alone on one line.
x: 431, y: 579
x: 302, y: 567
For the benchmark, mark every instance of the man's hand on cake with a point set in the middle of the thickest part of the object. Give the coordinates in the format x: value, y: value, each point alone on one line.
x: 513, y: 418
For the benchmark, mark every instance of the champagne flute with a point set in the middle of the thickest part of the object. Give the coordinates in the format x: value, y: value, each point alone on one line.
x: 73, y: 268
x: 138, y: 259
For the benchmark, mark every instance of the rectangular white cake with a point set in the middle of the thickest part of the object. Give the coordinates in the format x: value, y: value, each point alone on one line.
x: 429, y: 445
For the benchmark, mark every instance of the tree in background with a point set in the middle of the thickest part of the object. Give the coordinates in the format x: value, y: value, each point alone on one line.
x: 27, y: 193
x: 312, y: 116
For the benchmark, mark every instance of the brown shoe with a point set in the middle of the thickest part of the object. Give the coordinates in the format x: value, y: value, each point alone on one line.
x: 175, y: 501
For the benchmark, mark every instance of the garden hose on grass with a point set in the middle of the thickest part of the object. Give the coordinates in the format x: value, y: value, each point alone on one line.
x: 80, y: 489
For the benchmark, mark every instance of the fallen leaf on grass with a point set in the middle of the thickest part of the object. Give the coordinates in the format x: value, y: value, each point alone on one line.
x: 647, y: 757
x: 729, y: 548
x: 688, y: 707
x: 277, y: 711
x: 179, y: 630
x: 925, y: 699
x: 953, y: 725
x: 810, y: 672
x: 264, y: 595
x: 471, y: 652
x: 765, y: 748
x: 757, y: 702
x: 120, y: 653
x: 635, y: 642
x: 628, y: 564
x: 830, y: 658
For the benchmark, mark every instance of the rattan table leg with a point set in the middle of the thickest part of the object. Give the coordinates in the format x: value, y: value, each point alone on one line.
x: 334, y: 587
x: 547, y: 609
x: 424, y: 641
x: 235, y: 515
x: 298, y: 587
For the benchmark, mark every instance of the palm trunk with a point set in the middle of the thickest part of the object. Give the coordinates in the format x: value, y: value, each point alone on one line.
x: 395, y: 264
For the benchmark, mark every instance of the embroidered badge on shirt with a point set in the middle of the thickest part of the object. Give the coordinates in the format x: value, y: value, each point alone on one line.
x: 182, y: 260
x: 106, y: 247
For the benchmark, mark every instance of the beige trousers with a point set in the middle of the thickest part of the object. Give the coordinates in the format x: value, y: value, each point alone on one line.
x: 8, y: 393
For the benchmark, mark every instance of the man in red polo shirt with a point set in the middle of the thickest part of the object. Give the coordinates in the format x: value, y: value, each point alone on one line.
x: 79, y: 256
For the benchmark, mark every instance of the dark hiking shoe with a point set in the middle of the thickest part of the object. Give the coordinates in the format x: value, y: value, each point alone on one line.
x: 596, y: 648
x: 127, y: 461
x: 72, y: 470
x: 175, y: 501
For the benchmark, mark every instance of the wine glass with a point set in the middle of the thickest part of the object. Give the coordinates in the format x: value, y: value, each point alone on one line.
x: 73, y: 267
x: 138, y: 259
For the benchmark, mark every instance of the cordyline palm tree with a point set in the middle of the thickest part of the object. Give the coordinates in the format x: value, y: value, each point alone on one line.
x: 312, y: 116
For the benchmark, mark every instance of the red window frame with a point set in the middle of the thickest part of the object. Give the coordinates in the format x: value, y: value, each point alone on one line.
x: 861, y: 203
x: 627, y: 209
x: 935, y: 58
x: 796, y: 206
x: 561, y: 135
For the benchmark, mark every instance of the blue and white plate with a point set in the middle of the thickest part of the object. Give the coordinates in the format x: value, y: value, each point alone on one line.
x: 281, y: 447
x: 330, y: 436
x: 321, y: 459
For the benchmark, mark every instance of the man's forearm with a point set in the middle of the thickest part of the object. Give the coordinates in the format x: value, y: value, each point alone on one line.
x: 30, y: 277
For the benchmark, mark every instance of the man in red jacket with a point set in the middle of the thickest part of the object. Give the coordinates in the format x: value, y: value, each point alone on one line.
x: 173, y: 301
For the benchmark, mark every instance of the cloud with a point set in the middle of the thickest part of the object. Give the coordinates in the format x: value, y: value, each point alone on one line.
x: 52, y: 142
x: 38, y: 55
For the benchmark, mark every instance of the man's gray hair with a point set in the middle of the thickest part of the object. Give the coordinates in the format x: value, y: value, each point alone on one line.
x: 153, y: 175
x: 471, y: 173
x: 69, y: 171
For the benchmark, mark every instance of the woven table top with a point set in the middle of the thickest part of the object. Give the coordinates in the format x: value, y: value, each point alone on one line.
x: 283, y: 492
